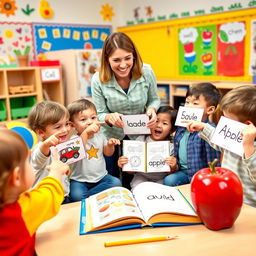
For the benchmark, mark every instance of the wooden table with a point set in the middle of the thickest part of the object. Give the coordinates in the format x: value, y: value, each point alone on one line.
x: 60, y: 236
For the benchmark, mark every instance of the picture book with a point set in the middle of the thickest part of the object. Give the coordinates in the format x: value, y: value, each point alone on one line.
x: 149, y: 205
x: 146, y: 156
x: 71, y: 151
x: 136, y: 124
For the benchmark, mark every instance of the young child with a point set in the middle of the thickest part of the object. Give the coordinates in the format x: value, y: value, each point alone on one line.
x: 238, y: 104
x: 50, y: 121
x: 192, y: 152
x: 89, y: 176
x: 163, y: 130
x: 22, y: 211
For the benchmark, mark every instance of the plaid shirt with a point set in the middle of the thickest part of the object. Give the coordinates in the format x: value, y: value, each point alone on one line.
x: 199, y: 152
x: 109, y: 98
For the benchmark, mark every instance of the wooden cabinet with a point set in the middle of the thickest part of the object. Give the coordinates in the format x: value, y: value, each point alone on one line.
x: 21, y: 88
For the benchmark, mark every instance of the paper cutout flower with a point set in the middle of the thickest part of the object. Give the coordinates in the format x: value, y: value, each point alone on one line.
x: 45, y: 9
x: 107, y: 12
x: 8, y: 7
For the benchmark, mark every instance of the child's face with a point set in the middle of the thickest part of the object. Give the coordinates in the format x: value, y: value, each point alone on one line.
x: 163, y: 127
x: 62, y: 126
x: 83, y: 119
x: 200, y: 102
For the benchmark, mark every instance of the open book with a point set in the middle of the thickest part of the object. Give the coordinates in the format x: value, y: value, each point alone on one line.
x: 150, y: 204
x: 146, y: 156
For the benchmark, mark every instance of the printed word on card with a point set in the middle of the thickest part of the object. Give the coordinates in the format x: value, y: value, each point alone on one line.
x: 136, y: 124
x: 228, y: 135
x: 71, y: 151
x: 186, y: 114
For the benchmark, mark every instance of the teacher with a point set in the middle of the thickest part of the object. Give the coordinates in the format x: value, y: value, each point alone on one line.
x: 123, y: 86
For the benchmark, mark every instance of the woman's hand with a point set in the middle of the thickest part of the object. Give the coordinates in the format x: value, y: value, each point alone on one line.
x: 151, y: 112
x: 114, y: 119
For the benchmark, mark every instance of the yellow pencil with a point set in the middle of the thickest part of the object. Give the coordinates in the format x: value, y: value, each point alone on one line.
x: 139, y: 240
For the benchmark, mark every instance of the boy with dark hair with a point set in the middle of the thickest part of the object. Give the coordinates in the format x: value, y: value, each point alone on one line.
x: 192, y: 152
x: 238, y: 104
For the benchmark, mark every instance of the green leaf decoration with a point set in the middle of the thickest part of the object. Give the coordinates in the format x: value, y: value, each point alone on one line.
x: 223, y: 36
x: 28, y: 10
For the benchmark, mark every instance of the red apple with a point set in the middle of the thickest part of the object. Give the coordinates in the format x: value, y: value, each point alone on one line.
x: 207, y: 34
x: 189, y: 47
x: 217, y: 196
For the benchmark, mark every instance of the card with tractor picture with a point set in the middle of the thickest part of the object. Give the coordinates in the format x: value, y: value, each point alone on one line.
x: 71, y: 151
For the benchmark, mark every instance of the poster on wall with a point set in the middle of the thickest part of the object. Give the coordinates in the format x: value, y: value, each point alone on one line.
x: 52, y: 37
x: 252, y: 68
x: 231, y: 44
x: 15, y: 39
x: 197, y: 50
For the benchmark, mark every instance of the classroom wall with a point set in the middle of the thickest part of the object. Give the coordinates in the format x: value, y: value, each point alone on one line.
x: 88, y: 11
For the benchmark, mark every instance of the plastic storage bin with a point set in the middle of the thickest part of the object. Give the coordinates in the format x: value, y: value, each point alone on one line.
x: 20, y: 107
x: 3, y: 115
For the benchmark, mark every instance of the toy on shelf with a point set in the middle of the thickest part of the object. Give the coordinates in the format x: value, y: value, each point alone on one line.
x: 41, y: 60
x: 16, y: 89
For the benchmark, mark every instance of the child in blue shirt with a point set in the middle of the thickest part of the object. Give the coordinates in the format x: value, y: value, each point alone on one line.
x: 192, y: 152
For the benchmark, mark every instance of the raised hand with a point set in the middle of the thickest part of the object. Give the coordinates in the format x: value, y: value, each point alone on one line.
x: 113, y: 142
x: 115, y: 119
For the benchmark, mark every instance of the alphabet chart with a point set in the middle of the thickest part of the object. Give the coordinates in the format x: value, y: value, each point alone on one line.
x: 228, y: 135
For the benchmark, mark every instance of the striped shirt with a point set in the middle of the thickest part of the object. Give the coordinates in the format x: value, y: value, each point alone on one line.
x: 244, y: 168
x: 110, y: 97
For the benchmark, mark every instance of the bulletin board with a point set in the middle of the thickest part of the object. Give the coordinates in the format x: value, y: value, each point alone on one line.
x: 52, y: 37
x: 15, y: 38
x: 215, y: 47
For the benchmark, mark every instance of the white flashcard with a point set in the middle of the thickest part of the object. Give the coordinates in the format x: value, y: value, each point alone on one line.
x: 228, y: 135
x: 71, y: 151
x: 136, y: 124
x: 186, y: 114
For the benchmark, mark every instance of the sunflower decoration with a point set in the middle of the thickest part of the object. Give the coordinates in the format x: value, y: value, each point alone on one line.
x: 8, y: 7
x: 107, y: 12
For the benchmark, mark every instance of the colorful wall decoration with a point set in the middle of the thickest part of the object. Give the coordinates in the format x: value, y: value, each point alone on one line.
x: 212, y: 50
x: 252, y: 67
x: 52, y: 37
x: 15, y: 39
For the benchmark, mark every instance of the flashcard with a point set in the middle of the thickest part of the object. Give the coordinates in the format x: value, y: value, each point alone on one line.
x: 188, y: 114
x: 228, y: 135
x: 71, y: 151
x: 136, y: 124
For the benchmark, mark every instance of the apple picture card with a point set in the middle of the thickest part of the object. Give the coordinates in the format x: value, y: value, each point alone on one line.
x: 228, y: 135
x: 136, y: 124
x: 188, y: 114
x: 71, y: 151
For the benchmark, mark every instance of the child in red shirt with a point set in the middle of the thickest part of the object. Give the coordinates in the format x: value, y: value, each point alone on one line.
x: 22, y: 211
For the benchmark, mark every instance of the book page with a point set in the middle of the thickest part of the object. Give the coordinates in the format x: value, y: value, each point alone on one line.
x: 111, y: 204
x: 157, y: 152
x: 135, y: 151
x: 153, y: 198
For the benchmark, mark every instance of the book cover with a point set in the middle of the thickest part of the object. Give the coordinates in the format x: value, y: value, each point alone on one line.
x: 146, y: 156
x: 118, y: 209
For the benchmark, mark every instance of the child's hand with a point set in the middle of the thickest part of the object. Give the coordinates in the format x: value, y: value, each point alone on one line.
x: 53, y: 140
x: 57, y: 168
x: 195, y: 126
x: 249, y: 135
x: 113, y: 142
x: 122, y: 160
x: 172, y: 162
x: 93, y: 128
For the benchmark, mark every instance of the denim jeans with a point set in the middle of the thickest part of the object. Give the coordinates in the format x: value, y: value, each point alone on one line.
x: 80, y: 190
x: 176, y: 179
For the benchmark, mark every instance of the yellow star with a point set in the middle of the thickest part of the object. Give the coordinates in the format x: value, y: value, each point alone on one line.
x: 92, y: 152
